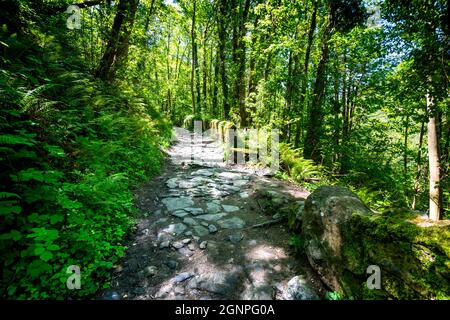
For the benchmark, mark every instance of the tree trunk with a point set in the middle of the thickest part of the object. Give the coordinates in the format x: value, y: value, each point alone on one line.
x: 194, y: 60
x: 222, y: 36
x: 312, y: 141
x: 117, y: 48
x: 419, y: 167
x: 433, y: 157
x: 302, y: 97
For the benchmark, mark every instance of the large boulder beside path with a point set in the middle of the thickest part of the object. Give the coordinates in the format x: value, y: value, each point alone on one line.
x: 347, y: 244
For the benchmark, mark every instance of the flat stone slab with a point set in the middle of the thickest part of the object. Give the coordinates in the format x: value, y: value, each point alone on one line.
x: 177, y: 228
x: 232, y: 223
x: 203, y: 172
x: 229, y: 175
x: 179, y: 213
x: 194, y: 211
x: 172, y: 183
x: 190, y: 221
x: 229, y: 208
x: 213, y: 207
x: 201, y: 231
x: 173, y: 204
x: 212, y: 217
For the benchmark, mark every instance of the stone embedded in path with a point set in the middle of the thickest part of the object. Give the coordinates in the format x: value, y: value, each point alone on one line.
x: 201, y: 231
x: 164, y: 244
x: 151, y: 271
x: 229, y: 208
x: 190, y: 221
x: 203, y: 172
x: 213, y: 207
x: 177, y: 228
x: 231, y: 189
x: 212, y: 228
x: 232, y: 223
x: 183, y: 277
x: 203, y: 245
x: 179, y: 213
x: 178, y: 245
x: 172, y: 183
x: 298, y: 288
x: 212, y: 217
x: 229, y: 175
x: 235, y: 238
x: 240, y: 183
x: 173, y: 204
x: 194, y: 211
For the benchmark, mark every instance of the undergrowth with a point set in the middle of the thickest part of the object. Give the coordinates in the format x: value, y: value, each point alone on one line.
x: 71, y: 151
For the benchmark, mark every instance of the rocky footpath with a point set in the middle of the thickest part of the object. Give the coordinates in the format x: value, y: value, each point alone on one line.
x: 212, y: 231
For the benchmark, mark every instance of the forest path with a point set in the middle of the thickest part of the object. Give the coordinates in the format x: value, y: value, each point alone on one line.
x: 194, y: 238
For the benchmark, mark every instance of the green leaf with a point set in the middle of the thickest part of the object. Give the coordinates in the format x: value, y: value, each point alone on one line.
x: 47, y: 255
x: 39, y: 250
x: 53, y: 247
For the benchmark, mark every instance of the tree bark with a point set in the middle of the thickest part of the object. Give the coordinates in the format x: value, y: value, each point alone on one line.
x: 312, y: 141
x: 117, y: 48
x: 223, y: 74
x: 302, y: 97
x: 433, y: 157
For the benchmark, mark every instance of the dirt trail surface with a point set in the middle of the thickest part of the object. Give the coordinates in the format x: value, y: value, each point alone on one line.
x: 195, y: 238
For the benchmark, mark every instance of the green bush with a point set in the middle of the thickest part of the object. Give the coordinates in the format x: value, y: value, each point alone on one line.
x: 71, y: 150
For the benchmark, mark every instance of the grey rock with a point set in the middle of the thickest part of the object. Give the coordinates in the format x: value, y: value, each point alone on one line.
x: 173, y: 204
x: 244, y: 195
x: 190, y: 221
x: 205, y: 224
x: 178, y: 245
x: 229, y: 175
x: 186, y: 241
x: 185, y: 252
x: 240, y: 183
x: 235, y: 238
x: 213, y: 207
x: 203, y: 172
x: 299, y: 289
x: 191, y: 247
x: 232, y: 223
x: 177, y: 228
x: 203, y: 245
x: 179, y: 213
x: 225, y: 283
x: 194, y: 211
x: 201, y: 231
x: 164, y: 244
x: 151, y: 271
x: 212, y: 228
x: 183, y: 277
x: 172, y: 183
x: 212, y: 217
x: 229, y: 208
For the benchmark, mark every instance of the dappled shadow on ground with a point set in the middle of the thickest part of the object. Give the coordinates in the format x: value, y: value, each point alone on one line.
x: 239, y: 262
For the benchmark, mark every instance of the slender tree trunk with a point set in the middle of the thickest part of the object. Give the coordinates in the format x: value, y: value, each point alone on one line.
x: 302, y: 96
x: 194, y: 59
x: 405, y: 147
x: 433, y: 157
x: 312, y: 141
x: 117, y: 48
x: 419, y: 166
x: 223, y: 74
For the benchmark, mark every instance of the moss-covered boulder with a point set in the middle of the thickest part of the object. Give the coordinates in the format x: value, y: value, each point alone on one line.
x: 343, y: 238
